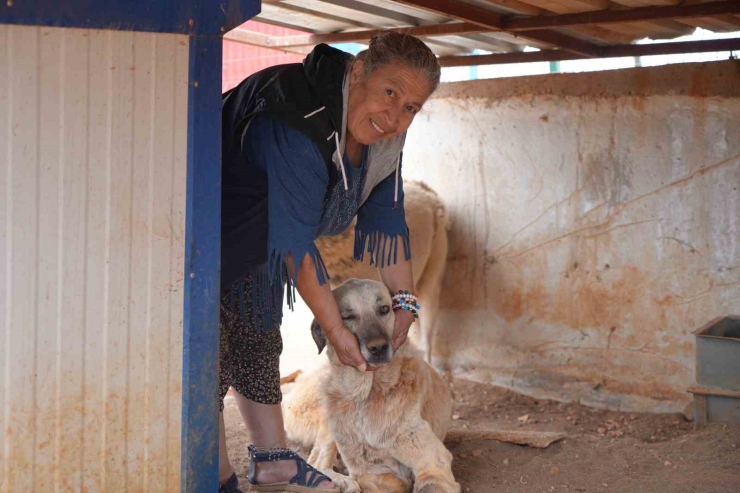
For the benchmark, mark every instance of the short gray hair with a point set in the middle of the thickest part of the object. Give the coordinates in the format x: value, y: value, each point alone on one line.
x: 392, y: 46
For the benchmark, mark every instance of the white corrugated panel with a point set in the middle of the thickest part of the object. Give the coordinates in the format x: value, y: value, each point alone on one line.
x: 93, y: 142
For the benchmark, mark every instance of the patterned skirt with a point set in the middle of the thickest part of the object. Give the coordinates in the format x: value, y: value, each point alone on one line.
x: 249, y: 359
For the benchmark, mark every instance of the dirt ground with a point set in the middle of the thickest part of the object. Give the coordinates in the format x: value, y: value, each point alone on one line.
x: 604, y: 451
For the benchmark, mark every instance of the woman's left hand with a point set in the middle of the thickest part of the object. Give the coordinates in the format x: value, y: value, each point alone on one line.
x: 404, y: 319
x: 397, y: 277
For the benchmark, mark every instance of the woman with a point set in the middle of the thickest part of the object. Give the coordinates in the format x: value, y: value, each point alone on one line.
x: 306, y: 148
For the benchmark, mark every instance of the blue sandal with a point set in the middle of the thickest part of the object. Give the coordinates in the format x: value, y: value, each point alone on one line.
x: 230, y: 486
x: 307, y: 479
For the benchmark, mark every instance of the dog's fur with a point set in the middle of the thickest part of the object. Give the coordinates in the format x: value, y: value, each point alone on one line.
x: 388, y: 425
x: 426, y: 216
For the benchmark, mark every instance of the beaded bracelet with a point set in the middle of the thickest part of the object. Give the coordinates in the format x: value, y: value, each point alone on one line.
x: 405, y: 295
x: 405, y: 300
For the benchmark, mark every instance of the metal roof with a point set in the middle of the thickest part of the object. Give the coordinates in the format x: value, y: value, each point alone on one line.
x: 455, y: 29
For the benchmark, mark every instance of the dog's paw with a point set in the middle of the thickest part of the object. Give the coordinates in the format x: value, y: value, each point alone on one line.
x: 438, y: 487
x: 346, y: 485
x: 435, y: 488
x: 432, y: 488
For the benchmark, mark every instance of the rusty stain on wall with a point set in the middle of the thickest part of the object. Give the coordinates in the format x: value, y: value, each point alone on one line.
x: 586, y: 246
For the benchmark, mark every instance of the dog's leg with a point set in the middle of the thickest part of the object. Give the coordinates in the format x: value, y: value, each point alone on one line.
x: 324, y: 455
x: 427, y: 457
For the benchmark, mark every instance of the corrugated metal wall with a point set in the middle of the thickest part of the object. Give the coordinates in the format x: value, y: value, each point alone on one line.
x: 93, y: 141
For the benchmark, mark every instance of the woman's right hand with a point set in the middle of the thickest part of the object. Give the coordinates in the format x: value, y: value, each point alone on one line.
x: 320, y: 300
x: 346, y: 347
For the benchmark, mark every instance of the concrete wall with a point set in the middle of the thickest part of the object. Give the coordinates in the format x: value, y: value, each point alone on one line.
x: 595, y: 223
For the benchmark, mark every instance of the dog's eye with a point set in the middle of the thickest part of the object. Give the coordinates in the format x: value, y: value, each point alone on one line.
x: 385, y: 309
x: 348, y: 317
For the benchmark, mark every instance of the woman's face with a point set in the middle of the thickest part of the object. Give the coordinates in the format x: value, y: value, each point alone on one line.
x: 383, y: 103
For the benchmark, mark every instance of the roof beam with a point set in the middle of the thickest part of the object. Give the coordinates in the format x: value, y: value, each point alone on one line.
x: 261, y: 40
x: 455, y: 28
x: 370, y: 9
x: 713, y: 45
x: 298, y: 43
x: 620, y: 16
x: 265, y: 15
x: 517, y: 7
x: 495, y: 22
x: 460, y: 11
x: 493, y: 44
x: 565, y: 42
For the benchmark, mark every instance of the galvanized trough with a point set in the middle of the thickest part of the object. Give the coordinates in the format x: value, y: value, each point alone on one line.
x: 717, y: 390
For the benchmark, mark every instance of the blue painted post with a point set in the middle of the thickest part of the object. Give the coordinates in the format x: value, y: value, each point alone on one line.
x: 202, y: 254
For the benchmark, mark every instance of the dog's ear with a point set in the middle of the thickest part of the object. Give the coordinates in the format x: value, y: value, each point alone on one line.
x: 319, y: 337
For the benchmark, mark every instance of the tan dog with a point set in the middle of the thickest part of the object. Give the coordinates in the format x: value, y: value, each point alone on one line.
x: 388, y: 425
x: 426, y: 216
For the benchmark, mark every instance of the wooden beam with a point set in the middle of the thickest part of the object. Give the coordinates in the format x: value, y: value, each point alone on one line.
x: 713, y: 45
x: 621, y: 16
x: 306, y: 42
x: 348, y: 9
x: 460, y: 11
x: 731, y: 44
x: 448, y: 29
x: 604, y: 35
x: 494, y: 44
x: 271, y: 7
x: 494, y: 22
x: 454, y: 28
x: 247, y: 37
x: 503, y: 58
x: 559, y: 40
x: 594, y: 33
x: 260, y: 40
x: 517, y: 7
x: 374, y: 10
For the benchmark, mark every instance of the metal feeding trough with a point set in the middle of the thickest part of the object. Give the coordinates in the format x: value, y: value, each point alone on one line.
x: 717, y: 390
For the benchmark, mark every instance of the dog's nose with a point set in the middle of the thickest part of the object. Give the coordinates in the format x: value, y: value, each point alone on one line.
x: 377, y: 346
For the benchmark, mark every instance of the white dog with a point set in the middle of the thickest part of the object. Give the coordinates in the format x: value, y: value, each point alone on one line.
x: 388, y: 425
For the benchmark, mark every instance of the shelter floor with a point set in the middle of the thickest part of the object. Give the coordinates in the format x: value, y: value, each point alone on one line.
x: 604, y: 451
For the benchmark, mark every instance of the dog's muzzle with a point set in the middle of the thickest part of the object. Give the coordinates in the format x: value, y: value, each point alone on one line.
x: 377, y: 351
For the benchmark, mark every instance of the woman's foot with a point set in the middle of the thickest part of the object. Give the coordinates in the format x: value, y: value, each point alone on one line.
x: 282, y: 472
x: 281, y: 466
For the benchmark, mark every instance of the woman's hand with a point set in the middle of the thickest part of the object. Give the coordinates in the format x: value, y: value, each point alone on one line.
x: 320, y: 300
x: 346, y: 347
x: 399, y: 277
x: 404, y: 319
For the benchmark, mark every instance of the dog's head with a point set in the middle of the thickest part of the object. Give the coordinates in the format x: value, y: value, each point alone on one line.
x: 367, y: 312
